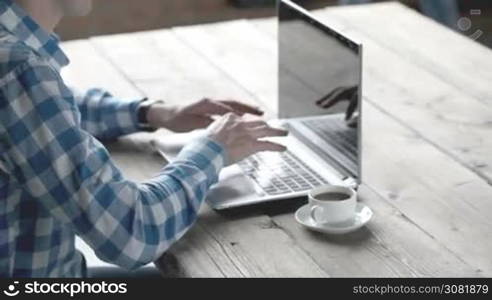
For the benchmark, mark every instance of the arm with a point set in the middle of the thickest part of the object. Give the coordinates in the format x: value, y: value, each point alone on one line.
x: 105, y: 116
x: 72, y: 176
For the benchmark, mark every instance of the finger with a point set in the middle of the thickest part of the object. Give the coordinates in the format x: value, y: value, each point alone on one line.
x: 352, y: 107
x: 201, y: 122
x: 353, y: 89
x: 268, y: 146
x: 266, y: 131
x: 255, y: 123
x: 210, y: 107
x: 339, y: 96
x: 329, y: 96
x: 353, y: 123
x: 231, y: 116
x: 336, y: 90
x: 243, y: 108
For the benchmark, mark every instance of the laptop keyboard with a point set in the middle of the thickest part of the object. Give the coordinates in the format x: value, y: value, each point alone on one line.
x: 280, y: 173
x: 336, y: 134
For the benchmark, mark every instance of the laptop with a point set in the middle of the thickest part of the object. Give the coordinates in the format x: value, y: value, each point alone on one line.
x: 320, y: 80
x: 320, y: 85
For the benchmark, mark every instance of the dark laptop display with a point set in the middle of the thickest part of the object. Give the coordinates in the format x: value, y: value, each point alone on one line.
x: 320, y: 75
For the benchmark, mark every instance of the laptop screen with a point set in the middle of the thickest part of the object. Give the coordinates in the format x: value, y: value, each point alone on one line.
x: 320, y: 75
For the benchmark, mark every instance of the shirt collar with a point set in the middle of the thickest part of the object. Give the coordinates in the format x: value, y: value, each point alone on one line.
x: 16, y: 21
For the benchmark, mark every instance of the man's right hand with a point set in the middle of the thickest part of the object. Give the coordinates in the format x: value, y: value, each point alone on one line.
x: 240, y: 137
x: 339, y: 94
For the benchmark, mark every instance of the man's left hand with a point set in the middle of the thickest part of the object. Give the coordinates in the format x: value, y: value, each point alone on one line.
x: 195, y: 116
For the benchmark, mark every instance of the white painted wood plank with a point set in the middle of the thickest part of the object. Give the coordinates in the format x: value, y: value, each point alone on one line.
x: 451, y: 118
x: 389, y: 246
x: 445, y: 221
x: 231, y: 69
x: 268, y: 26
x: 430, y: 188
x: 237, y: 49
x: 171, y: 70
x: 452, y: 57
x: 88, y: 69
x: 376, y: 85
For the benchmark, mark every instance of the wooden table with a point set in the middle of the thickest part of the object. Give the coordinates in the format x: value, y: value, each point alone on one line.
x: 427, y: 161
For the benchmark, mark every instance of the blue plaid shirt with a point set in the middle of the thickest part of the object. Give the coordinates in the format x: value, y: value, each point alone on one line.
x: 57, y: 180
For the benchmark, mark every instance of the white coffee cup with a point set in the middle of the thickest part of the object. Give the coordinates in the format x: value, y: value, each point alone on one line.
x: 332, y: 211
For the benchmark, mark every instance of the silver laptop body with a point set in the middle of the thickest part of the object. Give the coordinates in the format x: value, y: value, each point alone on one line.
x: 317, y: 64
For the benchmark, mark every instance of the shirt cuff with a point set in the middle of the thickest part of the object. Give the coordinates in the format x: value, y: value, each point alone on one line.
x: 207, y: 155
x: 121, y: 116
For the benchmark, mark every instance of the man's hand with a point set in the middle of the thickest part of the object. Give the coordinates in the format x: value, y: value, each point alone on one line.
x: 197, y: 115
x: 341, y: 94
x: 240, y: 137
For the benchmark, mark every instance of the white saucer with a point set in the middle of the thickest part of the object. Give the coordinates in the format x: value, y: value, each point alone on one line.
x: 362, y: 215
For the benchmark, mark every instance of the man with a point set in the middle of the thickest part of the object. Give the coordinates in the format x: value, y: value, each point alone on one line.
x: 57, y: 179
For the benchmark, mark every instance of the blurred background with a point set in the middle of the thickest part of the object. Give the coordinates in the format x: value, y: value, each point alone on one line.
x: 470, y: 17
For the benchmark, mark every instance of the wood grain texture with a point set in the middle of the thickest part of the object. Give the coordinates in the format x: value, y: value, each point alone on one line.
x: 452, y: 57
x: 395, y: 267
x: 267, y: 26
x: 372, y: 260
x: 425, y: 162
x: 170, y: 70
x: 390, y: 246
x: 435, y: 81
x: 434, y: 191
x: 238, y: 50
x: 218, y: 247
x: 89, y: 69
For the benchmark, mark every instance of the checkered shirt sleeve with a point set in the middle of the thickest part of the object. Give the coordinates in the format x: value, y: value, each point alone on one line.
x: 49, y: 152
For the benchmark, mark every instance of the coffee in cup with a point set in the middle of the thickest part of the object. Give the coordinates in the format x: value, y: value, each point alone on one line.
x: 332, y: 204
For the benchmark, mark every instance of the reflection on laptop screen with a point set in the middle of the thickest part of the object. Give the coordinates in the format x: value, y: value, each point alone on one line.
x: 317, y: 66
x: 320, y: 75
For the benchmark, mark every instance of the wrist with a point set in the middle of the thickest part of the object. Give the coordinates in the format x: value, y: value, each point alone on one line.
x: 221, y: 145
x: 144, y: 115
x: 160, y: 115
